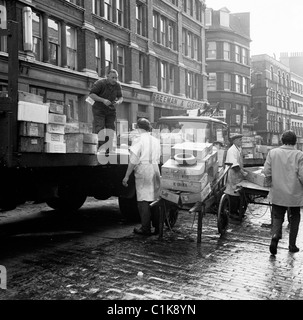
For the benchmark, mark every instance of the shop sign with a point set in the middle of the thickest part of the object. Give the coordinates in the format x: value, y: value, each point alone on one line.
x: 177, y: 102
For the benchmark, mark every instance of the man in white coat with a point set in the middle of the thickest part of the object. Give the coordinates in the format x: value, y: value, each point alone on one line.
x: 144, y: 160
x: 235, y: 174
x: 285, y: 167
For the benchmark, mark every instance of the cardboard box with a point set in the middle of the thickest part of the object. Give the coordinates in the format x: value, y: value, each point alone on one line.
x: 56, y: 108
x: 33, y: 112
x: 210, y: 160
x: 185, y: 185
x: 85, y: 127
x: 89, y: 148
x: 54, y: 137
x: 55, y: 147
x: 221, y: 156
x: 74, y: 142
x: 29, y: 97
x: 172, y: 170
x: 29, y: 144
x: 170, y: 195
x: 57, y: 118
x: 188, y: 197
x: 90, y: 138
x: 212, y: 172
x: 254, y: 175
x: 31, y: 129
x: 72, y: 127
x: 55, y: 128
x: 199, y: 150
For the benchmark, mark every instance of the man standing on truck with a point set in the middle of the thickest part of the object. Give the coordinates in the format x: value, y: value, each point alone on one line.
x: 144, y: 160
x: 107, y: 94
x: 236, y: 174
x: 285, y: 167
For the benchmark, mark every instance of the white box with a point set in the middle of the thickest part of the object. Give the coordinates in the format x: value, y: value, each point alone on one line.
x: 183, y: 185
x: 54, y: 137
x: 34, y: 112
x: 199, y: 150
x: 55, y: 147
x: 171, y: 169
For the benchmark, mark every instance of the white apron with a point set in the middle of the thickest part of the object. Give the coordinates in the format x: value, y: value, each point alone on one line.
x: 145, y: 153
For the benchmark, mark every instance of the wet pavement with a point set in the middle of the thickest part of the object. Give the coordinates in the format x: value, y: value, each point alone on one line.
x: 93, y: 256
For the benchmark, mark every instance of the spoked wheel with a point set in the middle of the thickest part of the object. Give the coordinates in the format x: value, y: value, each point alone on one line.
x: 172, y: 212
x: 223, y: 213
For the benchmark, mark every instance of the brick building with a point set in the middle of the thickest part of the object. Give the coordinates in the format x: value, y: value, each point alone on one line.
x: 228, y: 66
x: 65, y: 45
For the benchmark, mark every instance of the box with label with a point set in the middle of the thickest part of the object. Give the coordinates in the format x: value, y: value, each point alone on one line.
x: 55, y: 147
x: 185, y: 185
x: 55, y: 128
x: 33, y: 112
x: 56, y: 108
x: 172, y: 170
x: 57, y: 118
x: 199, y: 150
x: 256, y: 176
x: 31, y: 129
x: 30, y: 144
x: 74, y: 142
x: 54, y: 137
x: 72, y: 127
x: 210, y: 160
x: 191, y: 197
x: 85, y: 127
x: 170, y: 195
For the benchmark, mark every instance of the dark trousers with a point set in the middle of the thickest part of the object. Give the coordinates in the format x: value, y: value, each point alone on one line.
x: 148, y: 216
x: 278, y: 214
x: 234, y: 202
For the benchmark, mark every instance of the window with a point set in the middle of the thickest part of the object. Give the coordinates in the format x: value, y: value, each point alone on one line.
x: 163, y: 76
x: 171, y: 32
x: 212, y: 81
x: 189, y: 44
x: 141, y: 68
x: 108, y: 9
x: 121, y: 63
x: 139, y: 15
x: 237, y: 54
x: 37, y: 38
x: 196, y: 87
x: 196, y: 48
x: 97, y: 7
x: 227, y: 81
x: 120, y: 16
x: 244, y: 56
x: 162, y: 31
x: 171, y: 79
x: 271, y: 73
x: 155, y: 26
x: 244, y: 85
x: 53, y: 42
x: 208, y: 17
x: 226, y: 51
x: 244, y: 115
x: 211, y: 50
x: 71, y: 47
x: 98, y: 55
x: 189, y: 85
x: 279, y: 77
x: 108, y: 56
x: 224, y: 19
x: 3, y: 25
x: 238, y: 84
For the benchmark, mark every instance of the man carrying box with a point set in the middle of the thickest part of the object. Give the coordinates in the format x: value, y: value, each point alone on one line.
x: 285, y: 167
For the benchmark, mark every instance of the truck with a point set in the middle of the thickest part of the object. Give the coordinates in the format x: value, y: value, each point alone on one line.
x: 32, y: 170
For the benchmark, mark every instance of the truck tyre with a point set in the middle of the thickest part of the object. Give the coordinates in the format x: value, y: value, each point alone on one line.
x: 67, y: 201
x: 129, y: 209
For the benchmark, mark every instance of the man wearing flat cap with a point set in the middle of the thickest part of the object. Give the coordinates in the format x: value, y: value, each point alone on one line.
x: 236, y: 173
x: 144, y: 161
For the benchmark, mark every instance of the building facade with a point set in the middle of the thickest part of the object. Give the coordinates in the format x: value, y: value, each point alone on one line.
x: 271, y: 98
x: 158, y: 48
x: 228, y: 67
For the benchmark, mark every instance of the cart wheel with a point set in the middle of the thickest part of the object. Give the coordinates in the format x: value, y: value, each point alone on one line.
x: 223, y: 213
x: 172, y: 212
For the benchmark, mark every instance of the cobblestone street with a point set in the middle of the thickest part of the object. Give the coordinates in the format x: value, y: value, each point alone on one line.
x: 87, y: 259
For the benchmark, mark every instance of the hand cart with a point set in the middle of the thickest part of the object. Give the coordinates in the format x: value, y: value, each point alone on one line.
x: 168, y: 211
x: 250, y: 193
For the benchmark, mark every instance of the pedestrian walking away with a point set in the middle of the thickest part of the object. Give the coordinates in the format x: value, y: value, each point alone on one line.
x: 144, y: 161
x: 285, y: 167
x: 235, y: 175
x: 107, y: 94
